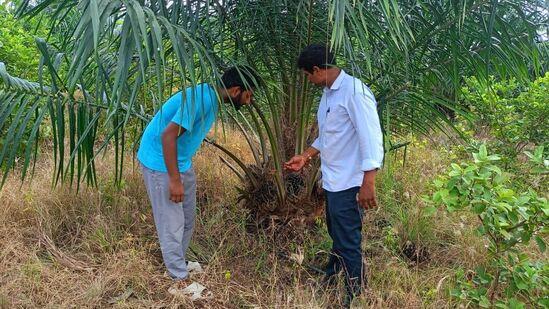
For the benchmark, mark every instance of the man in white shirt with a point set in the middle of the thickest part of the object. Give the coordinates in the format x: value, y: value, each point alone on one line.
x: 350, y: 145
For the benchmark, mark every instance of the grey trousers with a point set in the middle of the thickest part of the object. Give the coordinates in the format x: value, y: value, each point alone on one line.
x: 174, y: 221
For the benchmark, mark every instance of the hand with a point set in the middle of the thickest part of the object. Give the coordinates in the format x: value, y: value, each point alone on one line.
x: 367, y: 196
x: 177, y: 191
x: 296, y: 163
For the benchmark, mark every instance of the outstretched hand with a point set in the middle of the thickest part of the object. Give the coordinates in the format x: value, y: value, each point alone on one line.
x: 296, y: 163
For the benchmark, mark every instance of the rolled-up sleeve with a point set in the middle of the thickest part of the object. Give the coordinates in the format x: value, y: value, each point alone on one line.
x: 316, y: 144
x: 363, y: 114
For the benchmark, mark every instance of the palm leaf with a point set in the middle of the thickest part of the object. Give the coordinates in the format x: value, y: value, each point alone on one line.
x: 127, y: 55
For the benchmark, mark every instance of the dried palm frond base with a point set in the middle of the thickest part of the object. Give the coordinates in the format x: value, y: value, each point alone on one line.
x: 300, y: 208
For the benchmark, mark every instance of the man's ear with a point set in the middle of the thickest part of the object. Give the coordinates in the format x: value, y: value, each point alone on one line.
x: 234, y: 91
x: 315, y: 69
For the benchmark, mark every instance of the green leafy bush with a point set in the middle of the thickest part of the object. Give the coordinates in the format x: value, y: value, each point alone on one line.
x: 508, y: 220
x: 525, y: 283
x: 515, y: 115
x: 17, y: 45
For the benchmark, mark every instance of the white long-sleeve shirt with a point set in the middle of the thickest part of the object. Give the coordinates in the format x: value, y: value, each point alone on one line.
x: 350, y: 139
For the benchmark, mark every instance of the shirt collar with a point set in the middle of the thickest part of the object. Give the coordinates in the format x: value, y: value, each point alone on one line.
x: 337, y: 82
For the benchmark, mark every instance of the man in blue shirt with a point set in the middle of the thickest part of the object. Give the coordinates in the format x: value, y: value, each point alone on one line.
x: 167, y: 147
x: 350, y: 145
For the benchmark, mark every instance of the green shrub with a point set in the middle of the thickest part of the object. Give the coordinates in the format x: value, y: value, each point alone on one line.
x: 18, y: 49
x: 525, y: 283
x: 508, y: 220
x: 514, y: 115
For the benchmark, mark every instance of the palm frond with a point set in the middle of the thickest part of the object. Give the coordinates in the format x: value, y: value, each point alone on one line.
x: 126, y: 56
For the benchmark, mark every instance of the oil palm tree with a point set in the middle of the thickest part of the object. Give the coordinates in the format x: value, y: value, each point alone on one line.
x: 108, y: 64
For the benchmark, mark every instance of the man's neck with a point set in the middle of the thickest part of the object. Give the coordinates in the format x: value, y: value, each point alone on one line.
x: 331, y: 76
x: 223, y: 95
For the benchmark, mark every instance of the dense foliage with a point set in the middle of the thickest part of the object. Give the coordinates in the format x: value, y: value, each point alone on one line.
x: 109, y: 64
x: 508, y: 220
x: 17, y: 48
x: 515, y: 115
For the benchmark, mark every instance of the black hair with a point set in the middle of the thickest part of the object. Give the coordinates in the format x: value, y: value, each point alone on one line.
x: 241, y: 76
x: 316, y: 55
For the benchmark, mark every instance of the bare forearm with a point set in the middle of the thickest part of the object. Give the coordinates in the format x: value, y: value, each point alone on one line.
x: 367, y: 194
x: 310, y: 153
x: 369, y: 177
x: 169, y: 149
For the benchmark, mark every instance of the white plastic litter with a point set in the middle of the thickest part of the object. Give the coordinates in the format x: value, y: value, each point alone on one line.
x: 195, y: 289
x: 194, y: 267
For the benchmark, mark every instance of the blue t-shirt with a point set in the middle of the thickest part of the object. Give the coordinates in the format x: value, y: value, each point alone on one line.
x: 196, y: 115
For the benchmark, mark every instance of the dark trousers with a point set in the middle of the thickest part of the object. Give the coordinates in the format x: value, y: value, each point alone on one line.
x: 344, y: 220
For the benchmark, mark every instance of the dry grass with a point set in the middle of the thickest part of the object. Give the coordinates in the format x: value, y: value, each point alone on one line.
x: 103, y: 250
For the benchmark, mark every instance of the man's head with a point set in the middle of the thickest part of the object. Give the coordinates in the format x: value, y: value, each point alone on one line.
x: 314, y: 60
x: 239, y: 83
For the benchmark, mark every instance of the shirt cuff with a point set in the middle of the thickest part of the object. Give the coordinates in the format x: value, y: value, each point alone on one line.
x: 316, y: 144
x: 368, y: 165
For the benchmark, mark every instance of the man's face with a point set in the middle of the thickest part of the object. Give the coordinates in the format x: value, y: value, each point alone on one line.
x: 317, y: 77
x: 240, y: 97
